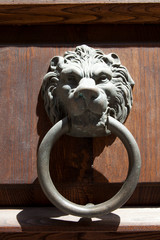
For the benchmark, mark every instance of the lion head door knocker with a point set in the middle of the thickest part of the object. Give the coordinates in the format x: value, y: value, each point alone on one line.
x: 88, y: 94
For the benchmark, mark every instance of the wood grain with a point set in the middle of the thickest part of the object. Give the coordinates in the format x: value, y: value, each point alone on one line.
x: 26, y: 2
x: 90, y: 12
x: 24, y: 121
x: 80, y: 236
x: 31, y: 194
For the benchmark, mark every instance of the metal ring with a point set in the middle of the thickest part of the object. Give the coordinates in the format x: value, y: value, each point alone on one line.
x: 89, y: 210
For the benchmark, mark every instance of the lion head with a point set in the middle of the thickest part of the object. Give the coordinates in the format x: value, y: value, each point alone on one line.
x: 87, y: 86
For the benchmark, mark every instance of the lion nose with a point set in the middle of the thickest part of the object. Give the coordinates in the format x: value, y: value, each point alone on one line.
x: 87, y: 90
x: 88, y: 94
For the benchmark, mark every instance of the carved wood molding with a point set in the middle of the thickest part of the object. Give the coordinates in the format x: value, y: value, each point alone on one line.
x: 49, y: 219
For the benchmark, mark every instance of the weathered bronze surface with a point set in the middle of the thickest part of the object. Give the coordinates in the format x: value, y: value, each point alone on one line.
x: 87, y: 94
x: 87, y: 85
x: 90, y: 210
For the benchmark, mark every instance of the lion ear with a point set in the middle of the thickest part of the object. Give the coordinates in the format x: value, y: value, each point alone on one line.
x: 56, y: 62
x: 130, y: 80
x: 113, y: 59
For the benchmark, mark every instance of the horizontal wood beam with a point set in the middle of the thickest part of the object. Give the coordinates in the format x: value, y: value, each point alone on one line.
x: 18, y: 12
x: 44, y: 2
x: 48, y: 219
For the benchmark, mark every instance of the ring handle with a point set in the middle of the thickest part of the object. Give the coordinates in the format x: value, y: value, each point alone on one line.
x: 89, y: 210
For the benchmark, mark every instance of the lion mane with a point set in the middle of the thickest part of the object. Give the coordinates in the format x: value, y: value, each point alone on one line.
x: 117, y: 87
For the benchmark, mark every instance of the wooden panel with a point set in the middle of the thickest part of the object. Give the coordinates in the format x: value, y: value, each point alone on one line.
x: 32, y: 195
x: 52, y: 220
x: 68, y: 12
x: 80, y: 236
x: 23, y: 116
x: 24, y: 121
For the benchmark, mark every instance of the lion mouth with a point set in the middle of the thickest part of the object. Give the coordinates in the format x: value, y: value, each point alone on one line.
x: 90, y: 118
x: 88, y: 124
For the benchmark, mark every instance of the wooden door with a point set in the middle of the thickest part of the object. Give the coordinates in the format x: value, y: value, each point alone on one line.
x: 25, y: 53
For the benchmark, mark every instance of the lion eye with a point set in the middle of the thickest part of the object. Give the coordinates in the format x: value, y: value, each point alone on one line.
x: 72, y: 81
x: 71, y: 78
x: 102, y: 78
